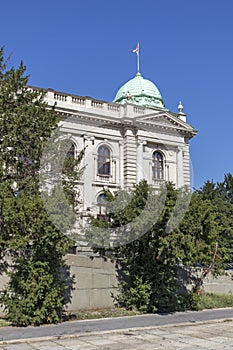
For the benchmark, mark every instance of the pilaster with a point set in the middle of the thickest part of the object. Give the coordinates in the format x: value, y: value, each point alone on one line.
x: 180, y: 168
x: 130, y: 159
x: 88, y: 175
x: 140, y: 170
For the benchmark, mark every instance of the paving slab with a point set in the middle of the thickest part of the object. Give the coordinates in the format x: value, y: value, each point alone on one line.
x: 211, y: 335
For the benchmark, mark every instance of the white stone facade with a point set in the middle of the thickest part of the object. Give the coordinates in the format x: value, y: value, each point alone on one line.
x: 142, y: 143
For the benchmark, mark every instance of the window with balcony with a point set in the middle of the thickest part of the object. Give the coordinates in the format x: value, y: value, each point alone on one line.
x: 104, y: 161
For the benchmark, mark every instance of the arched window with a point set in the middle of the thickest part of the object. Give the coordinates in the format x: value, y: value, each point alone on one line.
x: 104, y: 160
x: 71, y: 152
x: 69, y: 161
x: 157, y: 166
x: 101, y: 203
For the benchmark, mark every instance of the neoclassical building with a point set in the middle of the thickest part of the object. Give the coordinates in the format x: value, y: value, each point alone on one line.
x: 132, y: 138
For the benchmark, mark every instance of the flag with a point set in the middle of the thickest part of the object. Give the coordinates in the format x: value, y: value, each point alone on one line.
x: 136, y: 49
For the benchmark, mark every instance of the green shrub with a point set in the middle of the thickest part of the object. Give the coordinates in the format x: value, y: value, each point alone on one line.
x: 136, y: 297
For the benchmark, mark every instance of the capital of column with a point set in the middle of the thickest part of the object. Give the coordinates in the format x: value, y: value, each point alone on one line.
x: 180, y: 149
x: 88, y: 137
x: 142, y: 142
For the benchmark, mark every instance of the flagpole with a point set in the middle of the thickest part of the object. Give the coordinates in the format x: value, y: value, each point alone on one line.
x: 136, y: 50
x: 138, y: 58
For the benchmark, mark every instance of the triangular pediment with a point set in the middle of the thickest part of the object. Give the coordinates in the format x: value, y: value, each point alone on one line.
x: 164, y: 120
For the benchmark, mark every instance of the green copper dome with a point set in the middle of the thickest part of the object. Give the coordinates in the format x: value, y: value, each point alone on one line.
x: 140, y: 91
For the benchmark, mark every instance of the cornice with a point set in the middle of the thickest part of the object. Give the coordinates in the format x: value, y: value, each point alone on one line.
x: 108, y: 113
x: 127, y: 122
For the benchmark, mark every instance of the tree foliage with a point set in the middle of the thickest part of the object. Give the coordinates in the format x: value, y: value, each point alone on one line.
x: 221, y: 196
x: 150, y: 264
x: 31, y: 247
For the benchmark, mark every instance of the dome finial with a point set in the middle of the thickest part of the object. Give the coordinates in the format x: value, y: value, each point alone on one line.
x: 180, y: 108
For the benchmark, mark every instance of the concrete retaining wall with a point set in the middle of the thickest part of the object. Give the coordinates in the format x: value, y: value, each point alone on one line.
x: 3, y: 282
x: 96, y: 283
x: 221, y: 284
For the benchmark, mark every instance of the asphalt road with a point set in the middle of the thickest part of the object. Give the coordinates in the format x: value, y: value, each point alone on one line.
x: 104, y: 324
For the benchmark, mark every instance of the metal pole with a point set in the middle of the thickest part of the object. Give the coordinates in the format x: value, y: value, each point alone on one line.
x: 138, y: 57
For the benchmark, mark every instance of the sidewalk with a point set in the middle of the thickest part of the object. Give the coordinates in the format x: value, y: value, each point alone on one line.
x: 78, y: 327
x: 216, y: 335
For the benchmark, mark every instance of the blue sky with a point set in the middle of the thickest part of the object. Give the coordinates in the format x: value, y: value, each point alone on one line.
x: 186, y: 49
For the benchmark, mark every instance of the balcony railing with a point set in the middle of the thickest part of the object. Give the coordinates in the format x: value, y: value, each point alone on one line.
x: 79, y: 103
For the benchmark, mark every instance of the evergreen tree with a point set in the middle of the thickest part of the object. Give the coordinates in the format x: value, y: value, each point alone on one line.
x: 221, y: 197
x: 150, y: 264
x: 32, y: 249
